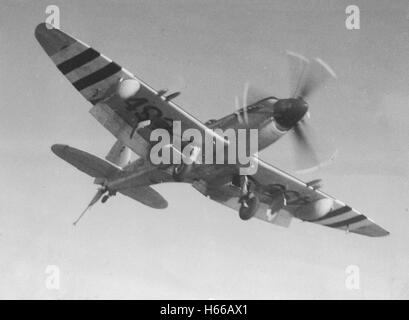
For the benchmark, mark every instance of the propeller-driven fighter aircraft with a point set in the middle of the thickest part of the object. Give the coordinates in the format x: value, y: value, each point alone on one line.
x: 131, y: 111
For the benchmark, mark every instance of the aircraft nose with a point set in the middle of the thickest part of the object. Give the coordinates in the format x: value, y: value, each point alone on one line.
x: 287, y: 112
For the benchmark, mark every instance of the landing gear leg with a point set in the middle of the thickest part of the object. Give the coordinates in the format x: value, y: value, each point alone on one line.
x: 249, y: 201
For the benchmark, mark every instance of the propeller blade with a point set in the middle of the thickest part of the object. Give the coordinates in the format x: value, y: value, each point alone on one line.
x: 327, y: 68
x: 311, y: 151
x: 242, y: 116
x: 322, y: 164
x: 94, y: 200
x: 237, y: 109
x: 255, y: 94
x: 306, y: 157
x: 245, y: 101
x: 316, y: 75
x: 306, y: 77
x: 298, y: 65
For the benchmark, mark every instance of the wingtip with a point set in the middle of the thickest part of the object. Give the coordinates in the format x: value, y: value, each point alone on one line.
x: 385, y: 234
x: 381, y: 232
x: 164, y: 205
x: 41, y: 30
x: 51, y: 39
x: 43, y: 34
x: 58, y: 149
x: 373, y: 230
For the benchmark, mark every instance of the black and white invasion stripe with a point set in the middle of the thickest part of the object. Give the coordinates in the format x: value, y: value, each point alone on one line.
x: 85, y: 67
x: 341, y: 217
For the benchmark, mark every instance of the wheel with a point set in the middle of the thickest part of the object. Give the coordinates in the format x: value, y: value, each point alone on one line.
x: 105, y: 198
x: 249, y: 206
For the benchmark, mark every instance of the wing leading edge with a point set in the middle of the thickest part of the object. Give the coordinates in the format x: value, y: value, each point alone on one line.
x: 341, y: 216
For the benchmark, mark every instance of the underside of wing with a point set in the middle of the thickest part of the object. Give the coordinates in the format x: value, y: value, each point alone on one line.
x: 229, y: 195
x: 101, y: 81
x: 312, y: 205
x: 302, y: 201
x: 346, y: 218
x: 90, y: 72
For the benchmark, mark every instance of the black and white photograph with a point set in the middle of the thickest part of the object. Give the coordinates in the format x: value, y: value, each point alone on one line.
x: 204, y: 150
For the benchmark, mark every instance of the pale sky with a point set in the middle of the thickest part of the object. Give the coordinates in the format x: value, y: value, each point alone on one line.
x: 197, y: 248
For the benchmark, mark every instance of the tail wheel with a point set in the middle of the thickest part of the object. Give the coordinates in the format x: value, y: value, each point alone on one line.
x: 249, y: 206
x: 105, y: 198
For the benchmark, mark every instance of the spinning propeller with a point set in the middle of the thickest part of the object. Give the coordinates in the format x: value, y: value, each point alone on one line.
x: 242, y: 116
x: 306, y: 77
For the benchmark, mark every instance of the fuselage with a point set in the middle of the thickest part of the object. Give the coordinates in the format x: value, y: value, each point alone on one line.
x: 263, y: 117
x: 260, y: 117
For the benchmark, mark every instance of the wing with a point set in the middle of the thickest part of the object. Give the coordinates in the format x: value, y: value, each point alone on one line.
x: 300, y: 198
x: 341, y: 216
x: 97, y: 78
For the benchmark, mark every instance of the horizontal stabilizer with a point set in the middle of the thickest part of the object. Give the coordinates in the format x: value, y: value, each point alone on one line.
x: 85, y: 162
x: 146, y: 195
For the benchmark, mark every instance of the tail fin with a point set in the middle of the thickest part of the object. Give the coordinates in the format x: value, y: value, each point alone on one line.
x: 119, y: 154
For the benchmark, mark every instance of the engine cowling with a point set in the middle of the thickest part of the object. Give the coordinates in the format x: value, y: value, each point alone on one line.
x: 315, y: 210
